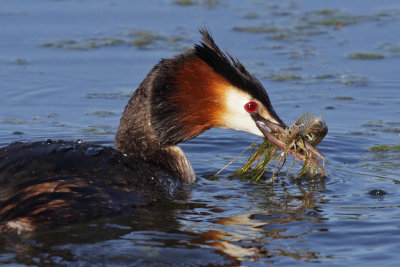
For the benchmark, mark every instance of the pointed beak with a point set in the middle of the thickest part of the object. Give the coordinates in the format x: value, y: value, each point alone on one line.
x: 268, y: 128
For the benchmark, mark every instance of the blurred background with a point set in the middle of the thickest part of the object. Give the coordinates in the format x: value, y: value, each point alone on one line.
x: 68, y: 68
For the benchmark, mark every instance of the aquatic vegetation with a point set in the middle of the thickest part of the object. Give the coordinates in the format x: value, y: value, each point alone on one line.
x: 343, y: 98
x: 211, y: 3
x: 384, y: 158
x: 330, y: 17
x: 206, y: 3
x: 286, y: 77
x: 293, y: 68
x: 184, y: 2
x: 256, y: 29
x: 53, y: 115
x: 142, y: 39
x: 362, y: 56
x: 145, y: 38
x: 384, y: 148
x: 273, y: 32
x: 20, y: 61
x: 86, y: 44
x: 387, y: 127
x: 251, y: 16
x: 324, y: 76
x: 393, y: 123
x: 305, y: 131
x: 381, y: 127
x: 13, y: 121
x: 333, y: 18
x: 102, y: 113
x: 362, y: 133
x: 392, y: 130
x: 373, y: 124
x: 302, y: 26
x: 99, y: 130
x: 110, y: 95
x: 62, y: 43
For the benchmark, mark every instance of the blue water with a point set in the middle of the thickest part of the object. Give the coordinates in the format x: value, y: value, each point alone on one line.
x: 67, y: 69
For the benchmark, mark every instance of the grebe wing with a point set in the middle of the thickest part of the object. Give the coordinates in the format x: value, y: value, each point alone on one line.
x: 56, y: 182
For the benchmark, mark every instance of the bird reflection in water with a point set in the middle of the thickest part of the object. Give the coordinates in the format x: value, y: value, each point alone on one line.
x: 257, y: 235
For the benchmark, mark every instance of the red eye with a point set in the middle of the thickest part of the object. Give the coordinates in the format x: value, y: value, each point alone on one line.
x: 251, y: 107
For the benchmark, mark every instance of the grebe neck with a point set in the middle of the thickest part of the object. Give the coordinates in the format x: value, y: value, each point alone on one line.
x: 137, y: 139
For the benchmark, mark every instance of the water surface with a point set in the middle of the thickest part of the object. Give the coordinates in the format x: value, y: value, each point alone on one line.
x: 68, y: 68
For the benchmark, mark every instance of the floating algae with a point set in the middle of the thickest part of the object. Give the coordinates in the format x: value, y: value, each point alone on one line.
x: 384, y: 148
x: 299, y: 140
x: 362, y: 56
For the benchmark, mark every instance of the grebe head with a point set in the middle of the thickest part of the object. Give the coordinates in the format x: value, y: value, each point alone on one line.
x: 206, y: 88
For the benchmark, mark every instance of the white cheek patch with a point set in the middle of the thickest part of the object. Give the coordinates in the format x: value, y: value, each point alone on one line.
x: 235, y: 116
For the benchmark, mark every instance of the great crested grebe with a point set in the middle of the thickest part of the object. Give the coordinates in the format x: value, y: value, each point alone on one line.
x: 49, y: 183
